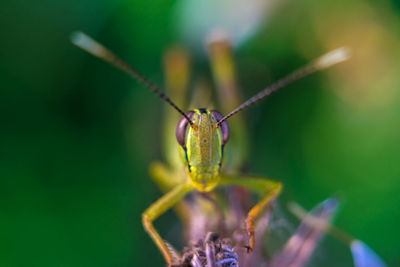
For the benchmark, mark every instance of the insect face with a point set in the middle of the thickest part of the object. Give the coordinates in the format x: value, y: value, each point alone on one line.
x: 202, y: 145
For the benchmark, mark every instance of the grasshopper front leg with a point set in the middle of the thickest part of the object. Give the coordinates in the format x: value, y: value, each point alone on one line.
x: 268, y: 190
x: 157, y: 209
x: 166, y: 180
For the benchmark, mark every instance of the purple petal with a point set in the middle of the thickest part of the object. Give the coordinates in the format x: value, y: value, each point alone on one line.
x: 299, y: 248
x: 364, y: 256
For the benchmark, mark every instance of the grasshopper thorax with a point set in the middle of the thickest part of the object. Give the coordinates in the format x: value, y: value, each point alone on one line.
x: 202, y: 145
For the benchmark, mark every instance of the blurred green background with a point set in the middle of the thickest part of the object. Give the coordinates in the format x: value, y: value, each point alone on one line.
x: 77, y: 136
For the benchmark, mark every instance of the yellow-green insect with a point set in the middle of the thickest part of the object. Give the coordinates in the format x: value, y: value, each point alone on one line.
x: 202, y: 135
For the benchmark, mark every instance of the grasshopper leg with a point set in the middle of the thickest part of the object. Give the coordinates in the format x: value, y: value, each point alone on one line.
x: 268, y: 190
x: 166, y: 180
x: 156, y: 210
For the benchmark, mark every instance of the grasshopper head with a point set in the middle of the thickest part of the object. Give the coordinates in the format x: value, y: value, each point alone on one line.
x: 203, y: 145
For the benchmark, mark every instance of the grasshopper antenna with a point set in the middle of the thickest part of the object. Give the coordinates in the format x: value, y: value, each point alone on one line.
x: 325, y: 61
x: 86, y: 43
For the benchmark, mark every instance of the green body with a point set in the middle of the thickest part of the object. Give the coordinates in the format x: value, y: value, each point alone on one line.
x: 197, y: 166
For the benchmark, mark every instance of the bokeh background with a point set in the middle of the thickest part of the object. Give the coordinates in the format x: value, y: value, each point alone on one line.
x: 77, y: 135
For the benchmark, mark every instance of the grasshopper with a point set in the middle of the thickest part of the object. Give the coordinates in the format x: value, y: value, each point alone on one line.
x: 202, y: 134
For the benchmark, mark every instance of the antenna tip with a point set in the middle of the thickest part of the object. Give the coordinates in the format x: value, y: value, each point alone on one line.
x: 86, y: 43
x: 333, y: 57
x: 76, y: 37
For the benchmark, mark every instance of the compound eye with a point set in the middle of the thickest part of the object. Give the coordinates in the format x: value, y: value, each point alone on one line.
x: 181, y: 128
x: 224, y: 126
